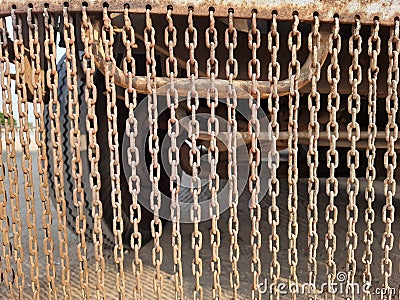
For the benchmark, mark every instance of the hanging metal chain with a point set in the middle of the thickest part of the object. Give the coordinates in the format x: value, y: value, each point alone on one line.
x: 294, y: 43
x: 233, y: 194
x: 390, y: 158
x: 274, y: 70
x: 155, y: 167
x: 93, y: 150
x: 11, y: 157
x: 332, y: 155
x: 7, y: 273
x: 129, y: 69
x: 353, y: 135
x: 254, y: 42
x: 56, y: 141
x: 194, y: 155
x: 116, y: 197
x: 75, y: 141
x: 314, y: 105
x: 374, y: 48
x: 171, y: 65
x: 211, y: 37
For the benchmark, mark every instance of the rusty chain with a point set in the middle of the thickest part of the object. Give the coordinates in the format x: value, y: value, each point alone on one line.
x: 273, y: 155
x: 374, y: 48
x: 332, y: 155
x: 11, y: 155
x: 233, y: 194
x: 129, y: 68
x: 314, y: 40
x: 353, y: 135
x: 211, y: 36
x: 107, y: 32
x: 7, y: 274
x: 170, y: 41
x: 254, y: 43
x: 155, y: 167
x: 294, y: 43
x: 194, y: 154
x: 390, y: 158
x: 56, y: 141
x: 93, y: 150
x: 75, y: 141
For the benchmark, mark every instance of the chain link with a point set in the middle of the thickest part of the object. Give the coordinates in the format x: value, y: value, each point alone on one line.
x: 254, y: 43
x: 273, y: 155
x: 374, y: 48
x: 173, y: 154
x: 93, y: 150
x: 7, y: 274
x: 75, y: 141
x: 390, y: 158
x: 56, y: 141
x: 332, y: 155
x: 233, y: 194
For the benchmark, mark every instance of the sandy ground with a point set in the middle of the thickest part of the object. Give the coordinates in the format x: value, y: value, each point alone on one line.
x: 245, y: 254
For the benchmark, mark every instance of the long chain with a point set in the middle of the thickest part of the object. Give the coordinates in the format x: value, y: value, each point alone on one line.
x: 12, y: 161
x: 213, y: 131
x: 75, y: 138
x: 93, y: 150
x: 194, y: 155
x: 233, y: 194
x: 7, y: 251
x: 294, y: 44
x: 116, y: 198
x: 155, y: 196
x: 273, y: 155
x: 173, y: 154
x: 390, y: 158
x: 314, y: 105
x: 129, y: 69
x: 374, y: 48
x: 332, y: 155
x: 353, y: 135
x: 254, y: 42
x: 56, y: 140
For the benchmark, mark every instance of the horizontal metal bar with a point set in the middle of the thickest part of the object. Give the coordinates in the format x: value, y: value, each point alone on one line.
x: 385, y: 10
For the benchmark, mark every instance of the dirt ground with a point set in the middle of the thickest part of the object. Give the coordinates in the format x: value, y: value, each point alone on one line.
x: 245, y: 250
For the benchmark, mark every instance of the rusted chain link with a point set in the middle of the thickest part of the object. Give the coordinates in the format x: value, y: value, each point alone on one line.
x: 274, y: 70
x: 170, y: 41
x: 213, y: 152
x: 93, y: 150
x: 233, y: 194
x: 390, y: 158
x: 155, y: 167
x: 7, y: 273
x: 129, y: 67
x: 254, y: 43
x: 56, y: 141
x: 314, y: 105
x: 332, y: 155
x: 194, y: 155
x: 113, y: 143
x: 374, y: 48
x: 294, y: 43
x: 78, y: 196
x: 353, y: 135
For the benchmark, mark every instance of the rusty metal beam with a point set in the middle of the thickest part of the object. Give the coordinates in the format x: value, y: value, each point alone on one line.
x: 385, y: 10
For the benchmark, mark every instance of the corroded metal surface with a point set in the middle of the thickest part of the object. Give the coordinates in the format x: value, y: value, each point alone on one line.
x: 386, y: 10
